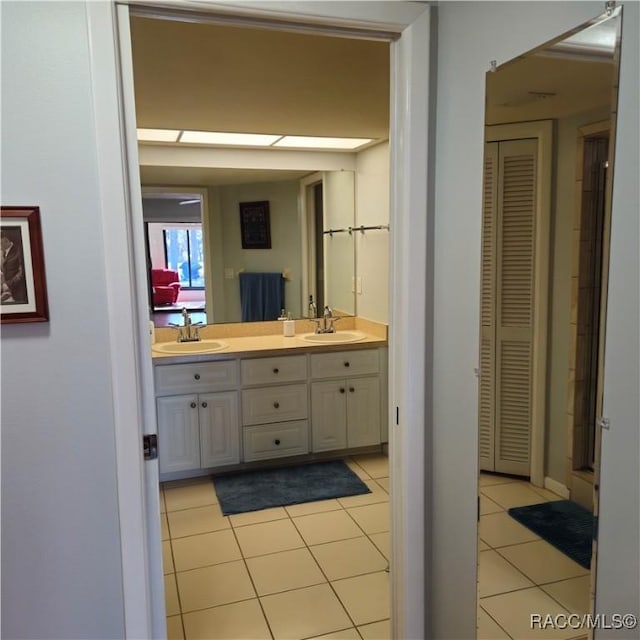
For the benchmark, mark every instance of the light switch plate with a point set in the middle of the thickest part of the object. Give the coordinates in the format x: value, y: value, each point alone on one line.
x: 359, y: 284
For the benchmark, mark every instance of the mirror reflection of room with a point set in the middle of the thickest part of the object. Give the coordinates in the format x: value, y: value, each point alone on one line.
x: 550, y: 123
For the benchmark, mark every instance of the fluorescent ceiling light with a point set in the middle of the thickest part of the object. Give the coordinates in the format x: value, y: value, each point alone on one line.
x: 158, y: 135
x: 213, y: 137
x: 321, y: 143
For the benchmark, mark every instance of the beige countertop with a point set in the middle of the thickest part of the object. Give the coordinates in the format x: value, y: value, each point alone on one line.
x: 266, y: 339
x: 267, y: 345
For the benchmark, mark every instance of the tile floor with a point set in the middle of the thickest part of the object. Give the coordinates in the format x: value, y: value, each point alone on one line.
x: 518, y: 573
x: 316, y: 570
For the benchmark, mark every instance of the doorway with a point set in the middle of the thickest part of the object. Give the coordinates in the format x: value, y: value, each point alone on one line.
x: 409, y: 264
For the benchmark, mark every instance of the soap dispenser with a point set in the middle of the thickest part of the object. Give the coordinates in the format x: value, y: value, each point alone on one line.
x: 289, y: 327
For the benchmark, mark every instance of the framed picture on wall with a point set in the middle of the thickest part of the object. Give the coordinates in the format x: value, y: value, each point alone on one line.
x: 255, y: 230
x: 23, y: 291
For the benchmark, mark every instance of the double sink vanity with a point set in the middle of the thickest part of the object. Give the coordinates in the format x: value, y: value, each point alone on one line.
x: 232, y: 401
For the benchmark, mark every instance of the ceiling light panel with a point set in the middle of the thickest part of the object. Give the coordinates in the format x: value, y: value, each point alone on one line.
x: 241, y: 139
x: 321, y: 143
x: 158, y: 135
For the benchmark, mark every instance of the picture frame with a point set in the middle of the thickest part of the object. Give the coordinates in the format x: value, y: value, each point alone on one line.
x: 23, y: 289
x: 255, y: 230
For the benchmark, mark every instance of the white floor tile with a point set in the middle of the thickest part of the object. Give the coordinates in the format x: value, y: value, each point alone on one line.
x: 375, y: 464
x: 488, y: 629
x: 174, y: 628
x: 347, y: 634
x: 190, y: 522
x: 284, y: 571
x: 268, y: 537
x: 307, y: 508
x: 213, y: 586
x: 376, y: 630
x: 346, y: 558
x: 488, y: 506
x: 541, y: 562
x: 500, y: 530
x: 378, y: 494
x: 513, y: 494
x: 366, y: 598
x: 319, y: 528
x: 373, y: 518
x: 255, y: 517
x: 513, y: 612
x: 572, y: 594
x: 237, y: 621
x: 190, y: 495
x: 496, y: 575
x: 305, y: 613
x: 205, y: 549
x: 167, y: 558
x: 171, y: 602
x: 383, y: 542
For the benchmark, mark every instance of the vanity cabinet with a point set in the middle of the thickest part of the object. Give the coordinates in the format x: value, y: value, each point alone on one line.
x: 197, y: 430
x: 223, y: 413
x: 345, y: 412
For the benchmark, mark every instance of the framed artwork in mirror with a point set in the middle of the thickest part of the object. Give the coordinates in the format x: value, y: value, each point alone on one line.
x: 255, y: 230
x: 23, y: 290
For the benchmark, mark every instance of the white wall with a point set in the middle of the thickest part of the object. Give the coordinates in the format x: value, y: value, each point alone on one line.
x: 372, y: 247
x: 61, y: 569
x: 470, y: 35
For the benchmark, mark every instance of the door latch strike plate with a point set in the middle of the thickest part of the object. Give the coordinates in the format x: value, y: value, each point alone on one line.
x: 150, y: 446
x: 604, y: 423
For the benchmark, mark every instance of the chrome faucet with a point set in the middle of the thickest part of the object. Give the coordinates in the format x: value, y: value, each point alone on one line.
x: 188, y: 331
x: 325, y: 324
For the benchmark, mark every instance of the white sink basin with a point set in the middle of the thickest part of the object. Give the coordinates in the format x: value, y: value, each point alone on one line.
x: 202, y: 346
x: 338, y: 337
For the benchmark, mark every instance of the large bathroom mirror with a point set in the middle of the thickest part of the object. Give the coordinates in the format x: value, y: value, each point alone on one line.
x: 197, y: 249
x: 548, y: 170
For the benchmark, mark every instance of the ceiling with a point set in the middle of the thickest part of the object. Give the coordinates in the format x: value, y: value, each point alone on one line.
x: 208, y: 77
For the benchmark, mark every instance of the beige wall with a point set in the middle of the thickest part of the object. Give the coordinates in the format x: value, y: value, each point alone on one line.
x: 372, y: 247
x: 226, y: 246
x: 560, y: 290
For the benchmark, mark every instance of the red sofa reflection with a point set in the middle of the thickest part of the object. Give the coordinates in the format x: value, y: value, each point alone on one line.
x: 166, y: 286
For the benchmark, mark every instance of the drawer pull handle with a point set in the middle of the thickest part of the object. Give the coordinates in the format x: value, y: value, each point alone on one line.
x: 341, y: 389
x: 346, y: 364
x: 193, y: 405
x: 204, y: 405
x: 351, y: 389
x: 276, y: 370
x: 276, y: 441
x: 276, y: 405
x: 197, y: 376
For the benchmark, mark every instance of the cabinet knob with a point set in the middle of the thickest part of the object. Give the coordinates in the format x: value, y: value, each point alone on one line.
x: 193, y: 405
x: 276, y: 405
x: 204, y: 405
x: 346, y: 364
x: 341, y: 389
x: 276, y: 441
x: 351, y: 389
x: 276, y: 370
x: 197, y: 376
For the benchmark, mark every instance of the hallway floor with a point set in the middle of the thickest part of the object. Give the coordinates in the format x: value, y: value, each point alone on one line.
x: 315, y: 570
x: 519, y: 573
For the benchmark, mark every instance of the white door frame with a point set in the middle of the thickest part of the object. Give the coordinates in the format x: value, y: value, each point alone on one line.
x: 411, y: 298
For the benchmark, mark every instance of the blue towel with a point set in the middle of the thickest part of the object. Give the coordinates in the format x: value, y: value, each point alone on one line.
x: 261, y: 296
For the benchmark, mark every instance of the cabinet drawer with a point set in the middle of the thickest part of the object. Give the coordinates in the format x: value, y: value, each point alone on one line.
x: 274, y: 404
x: 344, y: 363
x: 276, y: 440
x: 172, y: 379
x: 279, y: 369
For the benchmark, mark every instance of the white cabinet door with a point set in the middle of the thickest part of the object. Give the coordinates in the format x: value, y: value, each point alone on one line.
x: 363, y: 412
x: 219, y: 429
x: 178, y: 433
x: 329, y: 415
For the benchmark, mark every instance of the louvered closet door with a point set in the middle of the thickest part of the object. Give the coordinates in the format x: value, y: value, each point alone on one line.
x: 515, y: 244
x: 486, y: 408
x: 506, y: 313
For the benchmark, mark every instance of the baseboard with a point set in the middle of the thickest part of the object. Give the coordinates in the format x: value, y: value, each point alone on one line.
x: 556, y: 487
